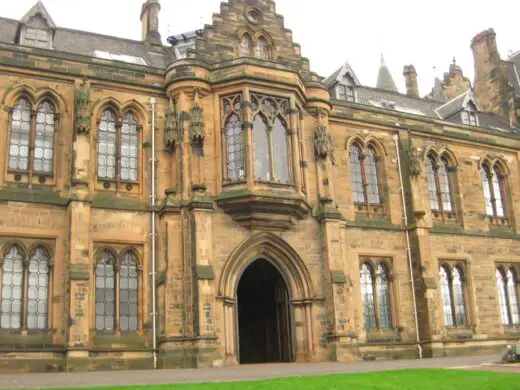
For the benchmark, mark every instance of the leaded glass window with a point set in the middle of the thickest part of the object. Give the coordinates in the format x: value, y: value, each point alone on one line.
x: 356, y: 174
x: 508, y: 296
x: 364, y: 172
x: 271, y: 142
x: 246, y: 46
x: 493, y: 183
x: 375, y: 296
x: 233, y: 138
x: 20, y: 136
x: 38, y: 293
x: 367, y: 296
x: 44, y: 140
x: 128, y: 293
x: 107, y: 148
x: 25, y: 289
x: 261, y: 149
x: 261, y: 49
x: 129, y: 148
x: 37, y: 37
x: 12, y: 289
x: 439, y: 184
x: 105, y: 292
x: 453, y: 296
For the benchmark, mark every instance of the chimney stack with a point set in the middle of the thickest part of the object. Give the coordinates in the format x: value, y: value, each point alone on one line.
x: 150, y: 22
x: 410, y: 75
x: 491, y: 84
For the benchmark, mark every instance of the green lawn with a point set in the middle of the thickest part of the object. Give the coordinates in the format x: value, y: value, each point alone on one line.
x: 398, y: 380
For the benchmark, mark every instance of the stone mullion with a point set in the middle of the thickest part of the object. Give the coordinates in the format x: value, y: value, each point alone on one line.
x: 50, y: 282
x: 32, y: 140
x: 362, y: 159
x: 294, y: 143
x: 247, y: 125
x: 140, y: 299
x: 439, y: 191
x: 376, y: 298
x: 25, y: 290
x: 117, y: 292
x: 118, y: 126
x: 493, y: 199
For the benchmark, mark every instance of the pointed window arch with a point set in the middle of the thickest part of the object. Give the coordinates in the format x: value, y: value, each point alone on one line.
x: 31, y: 147
x: 375, y: 295
x: 25, y: 289
x: 507, y: 285
x: 493, y: 184
x: 440, y: 174
x: 262, y: 48
x: 271, y: 142
x: 233, y: 138
x: 365, y: 175
x: 246, y: 46
x: 118, y: 147
x: 453, y: 296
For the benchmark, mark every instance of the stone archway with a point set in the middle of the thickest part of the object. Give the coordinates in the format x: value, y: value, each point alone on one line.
x: 282, y: 260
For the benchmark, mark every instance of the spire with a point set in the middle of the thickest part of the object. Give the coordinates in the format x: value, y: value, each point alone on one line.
x: 384, y: 78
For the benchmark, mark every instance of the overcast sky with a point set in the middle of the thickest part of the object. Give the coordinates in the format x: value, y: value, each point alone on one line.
x: 425, y: 34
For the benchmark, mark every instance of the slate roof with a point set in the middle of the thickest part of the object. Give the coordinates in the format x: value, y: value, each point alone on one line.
x: 384, y: 78
x: 85, y: 43
x: 451, y: 107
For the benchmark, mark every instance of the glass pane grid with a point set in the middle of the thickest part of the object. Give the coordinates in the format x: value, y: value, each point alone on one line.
x: 105, y: 292
x: 372, y: 178
x: 20, y: 135
x: 129, y: 148
x: 446, y: 296
x: 444, y: 181
x: 367, y: 297
x: 107, y: 146
x: 12, y: 290
x: 485, y: 174
x: 513, y: 297
x: 38, y: 290
x: 261, y: 149
x: 497, y: 192
x: 280, y: 152
x: 234, y: 148
x: 44, y: 140
x: 458, y: 297
x: 432, y: 184
x: 128, y: 294
x: 356, y: 175
x: 383, y: 297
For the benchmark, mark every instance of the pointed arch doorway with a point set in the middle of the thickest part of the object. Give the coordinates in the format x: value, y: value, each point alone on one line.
x: 264, y: 315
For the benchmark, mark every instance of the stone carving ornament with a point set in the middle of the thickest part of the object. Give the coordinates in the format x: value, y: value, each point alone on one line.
x: 83, y: 115
x: 171, y: 133
x: 197, y: 125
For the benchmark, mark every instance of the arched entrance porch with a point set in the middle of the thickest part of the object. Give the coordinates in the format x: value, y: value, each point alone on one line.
x: 286, y: 298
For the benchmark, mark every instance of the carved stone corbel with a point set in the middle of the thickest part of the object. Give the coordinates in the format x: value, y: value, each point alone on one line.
x: 322, y: 139
x: 83, y: 115
x: 197, y: 125
x: 171, y: 131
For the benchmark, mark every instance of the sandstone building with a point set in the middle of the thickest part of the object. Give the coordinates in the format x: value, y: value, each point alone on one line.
x: 213, y: 201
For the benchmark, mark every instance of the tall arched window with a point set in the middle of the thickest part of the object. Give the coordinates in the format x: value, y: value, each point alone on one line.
x: 32, y: 138
x: 118, y: 147
x: 233, y: 137
x: 453, y: 296
x: 439, y: 184
x: 261, y: 49
x: 246, y: 46
x: 271, y: 145
x: 25, y: 289
x: 261, y: 149
x: 128, y: 293
x: 508, y: 296
x: 105, y: 291
x: 375, y: 296
x: 493, y: 183
x: 117, y: 298
x: 364, y: 172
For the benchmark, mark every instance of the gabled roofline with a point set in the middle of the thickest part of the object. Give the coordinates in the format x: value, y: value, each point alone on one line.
x: 347, y: 69
x: 36, y: 9
x: 469, y: 97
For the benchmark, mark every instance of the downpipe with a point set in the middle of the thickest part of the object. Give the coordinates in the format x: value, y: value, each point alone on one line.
x: 408, y: 247
x: 153, y: 236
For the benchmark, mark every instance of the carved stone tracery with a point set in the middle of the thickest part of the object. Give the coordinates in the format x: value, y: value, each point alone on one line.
x: 83, y: 115
x: 197, y: 125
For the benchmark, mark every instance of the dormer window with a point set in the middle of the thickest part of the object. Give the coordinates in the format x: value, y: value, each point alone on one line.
x: 345, y: 90
x: 36, y: 28
x: 469, y: 117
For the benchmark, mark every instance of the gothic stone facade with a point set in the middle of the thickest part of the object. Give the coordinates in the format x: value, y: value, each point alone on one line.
x: 256, y: 160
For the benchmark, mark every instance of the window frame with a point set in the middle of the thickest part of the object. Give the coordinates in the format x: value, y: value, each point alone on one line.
x: 254, y: 48
x: 118, y: 259
x: 450, y: 268
x: 503, y: 270
x: 119, y: 122
x: 366, y: 205
x: 493, y: 170
x: 436, y: 160
x: 33, y: 108
x: 48, y: 41
x: 372, y: 266
x: 26, y: 256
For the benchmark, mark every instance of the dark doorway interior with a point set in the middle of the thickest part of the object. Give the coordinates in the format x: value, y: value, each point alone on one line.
x: 263, y: 315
